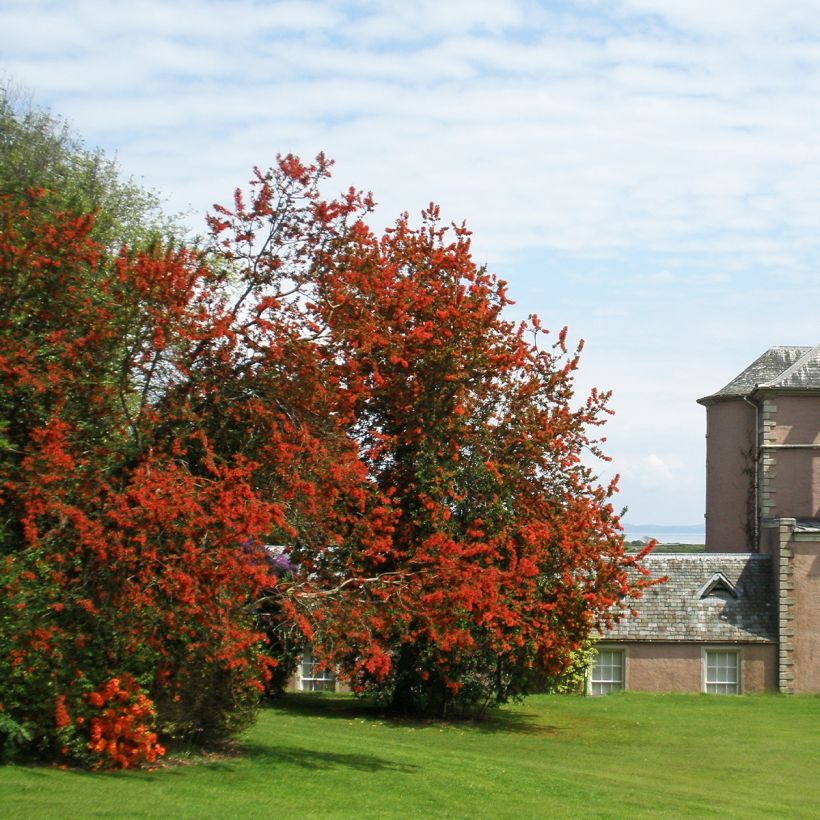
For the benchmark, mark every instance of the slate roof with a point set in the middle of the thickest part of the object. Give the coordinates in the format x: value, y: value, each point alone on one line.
x: 779, y: 368
x: 674, y: 611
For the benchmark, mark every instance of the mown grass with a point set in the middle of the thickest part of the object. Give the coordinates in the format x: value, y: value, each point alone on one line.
x: 628, y: 755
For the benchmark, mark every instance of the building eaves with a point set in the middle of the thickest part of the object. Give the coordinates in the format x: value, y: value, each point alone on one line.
x: 798, y: 366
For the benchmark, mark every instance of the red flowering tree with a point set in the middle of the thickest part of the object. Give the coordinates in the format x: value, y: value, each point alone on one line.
x: 128, y: 551
x: 160, y: 418
x: 481, y: 552
x: 505, y: 549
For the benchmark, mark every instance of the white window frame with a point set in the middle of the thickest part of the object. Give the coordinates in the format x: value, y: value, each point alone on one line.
x: 722, y: 687
x: 322, y: 680
x: 592, y: 685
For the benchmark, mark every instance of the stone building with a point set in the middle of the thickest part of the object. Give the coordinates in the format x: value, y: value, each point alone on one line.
x: 745, y: 615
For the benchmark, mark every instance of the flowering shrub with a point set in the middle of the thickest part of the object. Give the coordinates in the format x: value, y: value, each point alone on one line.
x: 154, y: 433
x: 108, y: 727
x: 120, y: 734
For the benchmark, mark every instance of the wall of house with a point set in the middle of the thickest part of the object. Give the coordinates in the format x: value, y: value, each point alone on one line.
x: 797, y: 484
x: 792, y: 448
x: 730, y: 446
x: 797, y: 420
x: 770, y: 542
x: 309, y: 677
x: 805, y: 561
x: 678, y: 667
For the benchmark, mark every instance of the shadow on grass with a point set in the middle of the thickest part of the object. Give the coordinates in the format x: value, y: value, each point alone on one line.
x: 346, y: 707
x: 318, y: 760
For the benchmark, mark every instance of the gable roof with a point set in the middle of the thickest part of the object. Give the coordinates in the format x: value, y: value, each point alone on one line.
x: 779, y: 368
x: 686, y: 607
x: 718, y: 583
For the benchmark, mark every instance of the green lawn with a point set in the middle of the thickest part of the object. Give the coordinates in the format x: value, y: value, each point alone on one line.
x: 627, y: 755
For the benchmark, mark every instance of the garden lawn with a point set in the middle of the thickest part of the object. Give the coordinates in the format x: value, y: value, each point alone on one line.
x: 627, y: 755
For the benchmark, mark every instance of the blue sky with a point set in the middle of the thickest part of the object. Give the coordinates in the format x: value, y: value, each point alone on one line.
x: 644, y: 171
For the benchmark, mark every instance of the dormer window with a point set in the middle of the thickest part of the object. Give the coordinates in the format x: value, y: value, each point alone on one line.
x: 718, y: 585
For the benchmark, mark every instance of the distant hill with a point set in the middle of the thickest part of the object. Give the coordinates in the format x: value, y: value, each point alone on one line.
x: 651, y: 528
x: 670, y: 537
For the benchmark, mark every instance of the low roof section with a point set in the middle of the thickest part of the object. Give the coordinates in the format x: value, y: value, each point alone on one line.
x: 708, y: 597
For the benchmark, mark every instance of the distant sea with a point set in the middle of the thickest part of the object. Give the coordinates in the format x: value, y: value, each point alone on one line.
x: 666, y: 534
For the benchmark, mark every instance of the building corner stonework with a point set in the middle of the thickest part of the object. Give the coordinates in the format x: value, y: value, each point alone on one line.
x: 784, y: 586
x: 768, y: 458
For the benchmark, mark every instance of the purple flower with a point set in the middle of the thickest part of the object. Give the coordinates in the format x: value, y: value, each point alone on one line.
x: 279, y: 561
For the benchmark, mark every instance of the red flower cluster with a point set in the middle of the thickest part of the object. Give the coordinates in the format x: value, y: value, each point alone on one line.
x: 61, y: 716
x: 120, y: 734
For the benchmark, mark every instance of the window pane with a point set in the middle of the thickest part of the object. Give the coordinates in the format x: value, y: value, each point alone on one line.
x: 314, y: 679
x: 722, y: 672
x: 607, y: 673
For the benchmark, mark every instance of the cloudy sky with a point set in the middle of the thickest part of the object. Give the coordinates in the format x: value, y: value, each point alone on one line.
x: 644, y: 171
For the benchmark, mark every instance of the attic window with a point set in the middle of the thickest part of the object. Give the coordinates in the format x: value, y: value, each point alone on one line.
x: 716, y: 584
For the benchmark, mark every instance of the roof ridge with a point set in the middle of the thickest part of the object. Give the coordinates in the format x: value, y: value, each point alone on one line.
x: 773, y: 370
x: 805, y: 358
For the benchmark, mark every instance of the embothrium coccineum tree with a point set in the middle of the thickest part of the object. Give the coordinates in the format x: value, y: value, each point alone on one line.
x: 118, y: 547
x: 483, y: 550
x: 511, y: 550
x: 160, y: 418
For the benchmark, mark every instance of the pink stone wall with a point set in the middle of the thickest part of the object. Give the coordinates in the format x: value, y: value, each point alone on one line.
x: 759, y: 668
x: 796, y: 481
x: 678, y: 667
x: 663, y: 667
x: 797, y: 420
x: 797, y: 484
x: 806, y: 596
x: 730, y: 442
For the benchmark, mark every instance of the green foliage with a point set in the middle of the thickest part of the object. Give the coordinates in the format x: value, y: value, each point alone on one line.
x: 284, y: 643
x: 40, y: 150
x: 14, y: 737
x: 574, y: 680
x: 216, y: 704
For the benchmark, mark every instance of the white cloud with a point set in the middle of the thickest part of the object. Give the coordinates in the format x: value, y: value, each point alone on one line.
x: 745, y: 18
